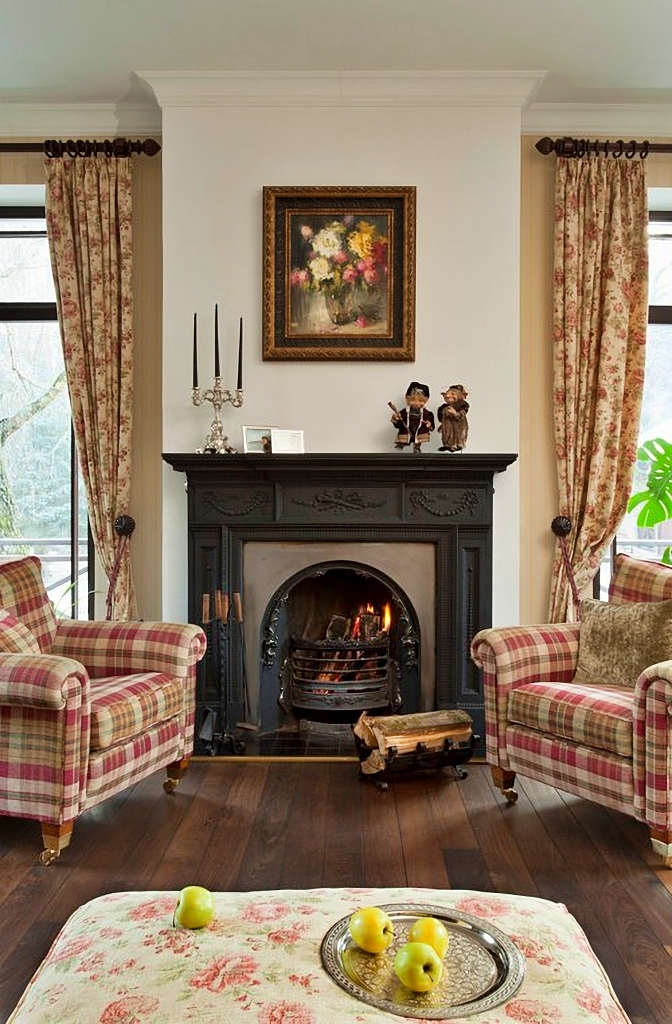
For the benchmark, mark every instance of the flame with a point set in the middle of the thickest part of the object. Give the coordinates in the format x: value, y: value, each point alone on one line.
x: 387, y: 618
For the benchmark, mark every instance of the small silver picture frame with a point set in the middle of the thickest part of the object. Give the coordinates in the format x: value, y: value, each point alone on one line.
x: 257, y: 440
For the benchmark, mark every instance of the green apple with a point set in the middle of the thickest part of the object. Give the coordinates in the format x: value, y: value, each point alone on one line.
x: 195, y: 907
x: 418, y: 966
x: 432, y: 931
x: 371, y: 929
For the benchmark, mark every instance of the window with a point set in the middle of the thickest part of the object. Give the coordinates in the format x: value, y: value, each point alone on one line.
x: 42, y: 506
x: 656, y: 419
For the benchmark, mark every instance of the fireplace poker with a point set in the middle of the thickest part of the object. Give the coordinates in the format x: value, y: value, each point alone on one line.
x: 206, y: 733
x: 238, y: 612
x: 227, y: 734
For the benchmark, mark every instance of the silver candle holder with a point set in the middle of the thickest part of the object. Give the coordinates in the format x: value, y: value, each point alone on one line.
x: 216, y: 443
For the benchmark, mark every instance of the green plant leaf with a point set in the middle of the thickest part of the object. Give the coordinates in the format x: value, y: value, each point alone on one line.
x: 656, y: 500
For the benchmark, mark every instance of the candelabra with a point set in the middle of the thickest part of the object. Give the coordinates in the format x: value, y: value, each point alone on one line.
x: 216, y: 443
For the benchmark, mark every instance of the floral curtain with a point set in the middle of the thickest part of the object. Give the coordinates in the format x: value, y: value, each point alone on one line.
x: 600, y: 315
x: 88, y: 208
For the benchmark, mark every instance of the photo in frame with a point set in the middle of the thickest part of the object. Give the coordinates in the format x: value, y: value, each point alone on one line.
x: 339, y: 272
x: 257, y: 440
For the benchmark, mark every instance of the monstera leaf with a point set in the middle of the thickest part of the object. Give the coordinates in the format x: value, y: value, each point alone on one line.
x: 655, y: 502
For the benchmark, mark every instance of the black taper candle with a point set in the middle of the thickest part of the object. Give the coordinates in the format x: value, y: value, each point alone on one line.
x: 195, y: 372
x: 240, y: 356
x: 217, y: 373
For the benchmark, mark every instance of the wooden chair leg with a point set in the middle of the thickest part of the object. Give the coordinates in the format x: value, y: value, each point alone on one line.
x: 175, y: 772
x: 55, y: 839
x: 504, y: 780
x: 662, y: 844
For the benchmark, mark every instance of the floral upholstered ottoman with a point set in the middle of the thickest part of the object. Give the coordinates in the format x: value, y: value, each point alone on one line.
x: 262, y: 960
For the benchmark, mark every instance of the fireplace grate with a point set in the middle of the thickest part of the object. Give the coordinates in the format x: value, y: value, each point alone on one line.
x: 345, y: 675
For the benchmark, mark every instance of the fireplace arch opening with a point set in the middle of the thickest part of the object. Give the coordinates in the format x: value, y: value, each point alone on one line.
x: 337, y: 638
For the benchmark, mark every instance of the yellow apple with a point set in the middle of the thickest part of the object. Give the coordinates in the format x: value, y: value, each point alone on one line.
x: 418, y: 966
x: 195, y: 907
x: 432, y: 931
x: 372, y: 929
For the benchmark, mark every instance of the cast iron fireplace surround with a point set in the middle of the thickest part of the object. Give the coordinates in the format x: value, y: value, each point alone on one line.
x: 441, y: 500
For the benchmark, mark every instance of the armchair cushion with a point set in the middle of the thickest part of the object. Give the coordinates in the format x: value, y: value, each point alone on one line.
x: 586, y: 715
x: 15, y: 638
x: 126, y: 706
x: 22, y: 592
x: 618, y: 641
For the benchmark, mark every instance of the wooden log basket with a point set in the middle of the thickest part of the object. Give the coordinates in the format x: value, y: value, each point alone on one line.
x: 402, y: 743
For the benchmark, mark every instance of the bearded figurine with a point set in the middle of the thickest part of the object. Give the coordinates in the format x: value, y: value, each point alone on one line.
x: 452, y: 417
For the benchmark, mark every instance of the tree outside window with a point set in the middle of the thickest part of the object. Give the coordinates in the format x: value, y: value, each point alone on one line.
x: 41, y: 510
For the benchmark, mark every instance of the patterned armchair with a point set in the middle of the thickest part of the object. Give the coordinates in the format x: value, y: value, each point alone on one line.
x: 587, y: 707
x: 86, y: 708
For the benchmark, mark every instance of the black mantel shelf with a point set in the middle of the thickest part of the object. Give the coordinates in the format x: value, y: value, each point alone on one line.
x: 416, y: 467
x: 441, y: 499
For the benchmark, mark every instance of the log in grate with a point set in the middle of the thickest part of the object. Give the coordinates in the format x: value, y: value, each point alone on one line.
x: 344, y: 675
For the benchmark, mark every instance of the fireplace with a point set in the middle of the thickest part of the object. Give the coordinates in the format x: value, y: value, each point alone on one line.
x: 297, y: 544
x: 337, y: 638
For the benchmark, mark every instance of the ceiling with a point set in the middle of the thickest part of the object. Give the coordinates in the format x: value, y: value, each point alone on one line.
x: 88, y: 51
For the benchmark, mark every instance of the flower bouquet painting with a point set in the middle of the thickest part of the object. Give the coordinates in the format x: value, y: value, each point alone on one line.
x: 339, y: 273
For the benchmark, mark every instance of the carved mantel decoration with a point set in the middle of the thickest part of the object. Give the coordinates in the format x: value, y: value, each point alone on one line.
x: 333, y: 498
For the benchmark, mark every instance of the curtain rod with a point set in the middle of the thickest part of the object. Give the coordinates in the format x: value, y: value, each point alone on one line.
x: 84, y: 147
x: 584, y: 147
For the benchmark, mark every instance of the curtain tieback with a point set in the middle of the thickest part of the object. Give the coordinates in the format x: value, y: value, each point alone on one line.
x: 562, y: 527
x: 123, y: 526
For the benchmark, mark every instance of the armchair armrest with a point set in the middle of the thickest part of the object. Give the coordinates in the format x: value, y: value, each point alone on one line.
x: 41, y: 681
x: 45, y: 702
x: 652, y: 746
x: 122, y: 648
x: 514, y: 656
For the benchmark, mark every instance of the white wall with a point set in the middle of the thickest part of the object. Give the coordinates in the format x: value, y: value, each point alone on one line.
x: 222, y: 142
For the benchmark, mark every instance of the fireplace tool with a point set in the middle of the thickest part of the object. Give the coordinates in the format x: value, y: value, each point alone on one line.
x: 238, y: 611
x: 216, y: 729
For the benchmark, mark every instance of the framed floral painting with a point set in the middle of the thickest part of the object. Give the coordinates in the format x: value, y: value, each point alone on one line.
x: 339, y: 272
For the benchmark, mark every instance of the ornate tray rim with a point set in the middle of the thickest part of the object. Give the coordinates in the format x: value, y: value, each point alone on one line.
x: 488, y: 936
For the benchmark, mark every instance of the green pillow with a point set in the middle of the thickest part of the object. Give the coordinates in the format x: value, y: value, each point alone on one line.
x: 618, y: 641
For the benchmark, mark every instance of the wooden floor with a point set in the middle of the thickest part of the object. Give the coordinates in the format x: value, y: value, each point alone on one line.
x: 246, y: 825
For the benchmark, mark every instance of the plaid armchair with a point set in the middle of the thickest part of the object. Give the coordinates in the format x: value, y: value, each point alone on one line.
x: 602, y: 738
x: 86, y: 708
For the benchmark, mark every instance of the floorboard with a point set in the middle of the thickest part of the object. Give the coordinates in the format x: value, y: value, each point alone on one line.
x: 263, y: 824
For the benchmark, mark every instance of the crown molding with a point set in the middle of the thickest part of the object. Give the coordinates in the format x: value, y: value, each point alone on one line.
x: 610, y: 120
x: 81, y: 120
x: 342, y: 88
x: 478, y: 89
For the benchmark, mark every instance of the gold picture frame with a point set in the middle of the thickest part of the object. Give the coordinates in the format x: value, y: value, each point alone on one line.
x: 339, y: 272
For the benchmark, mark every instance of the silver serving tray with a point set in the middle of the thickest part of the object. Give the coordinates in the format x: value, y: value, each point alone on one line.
x: 482, y: 968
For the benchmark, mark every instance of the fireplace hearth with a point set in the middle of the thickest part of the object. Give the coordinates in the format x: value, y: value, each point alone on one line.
x: 304, y: 544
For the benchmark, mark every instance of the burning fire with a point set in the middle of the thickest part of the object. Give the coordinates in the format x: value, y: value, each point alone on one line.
x: 369, y: 623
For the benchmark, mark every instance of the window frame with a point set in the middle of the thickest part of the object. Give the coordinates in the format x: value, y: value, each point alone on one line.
x: 23, y: 312
x: 656, y: 315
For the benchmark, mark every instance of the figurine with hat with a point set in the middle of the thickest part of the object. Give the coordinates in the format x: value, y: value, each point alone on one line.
x: 414, y: 423
x: 452, y: 417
